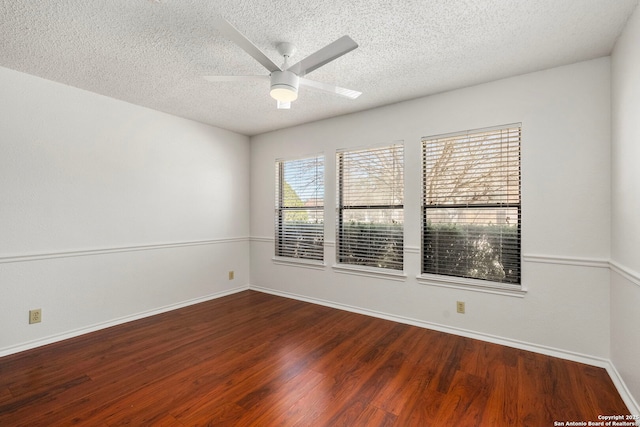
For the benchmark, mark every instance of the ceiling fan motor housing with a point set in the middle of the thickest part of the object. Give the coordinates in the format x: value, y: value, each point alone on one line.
x: 284, y: 86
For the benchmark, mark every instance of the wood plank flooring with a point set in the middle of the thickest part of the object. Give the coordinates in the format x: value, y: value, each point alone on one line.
x: 253, y: 359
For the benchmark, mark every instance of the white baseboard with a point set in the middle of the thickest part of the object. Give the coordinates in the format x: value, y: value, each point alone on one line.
x: 103, y: 325
x: 626, y: 396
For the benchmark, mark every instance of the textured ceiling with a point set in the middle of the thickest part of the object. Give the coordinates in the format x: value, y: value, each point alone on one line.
x: 154, y: 52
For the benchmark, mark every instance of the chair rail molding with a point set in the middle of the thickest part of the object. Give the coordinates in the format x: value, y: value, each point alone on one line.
x: 118, y: 249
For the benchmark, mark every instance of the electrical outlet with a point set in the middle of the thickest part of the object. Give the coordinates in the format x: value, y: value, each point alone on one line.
x: 35, y: 316
x: 231, y: 275
x: 460, y: 307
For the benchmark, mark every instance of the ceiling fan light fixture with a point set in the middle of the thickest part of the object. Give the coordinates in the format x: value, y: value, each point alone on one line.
x: 284, y: 86
x: 283, y: 94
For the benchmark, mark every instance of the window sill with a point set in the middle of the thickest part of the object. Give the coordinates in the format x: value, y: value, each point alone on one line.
x: 299, y: 262
x: 380, y: 273
x: 472, y: 285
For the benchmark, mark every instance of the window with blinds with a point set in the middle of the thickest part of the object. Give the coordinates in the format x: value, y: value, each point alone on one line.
x: 370, y: 217
x: 299, y: 214
x: 471, y: 212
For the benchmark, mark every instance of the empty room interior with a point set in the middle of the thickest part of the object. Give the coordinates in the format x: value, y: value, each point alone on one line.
x: 320, y: 213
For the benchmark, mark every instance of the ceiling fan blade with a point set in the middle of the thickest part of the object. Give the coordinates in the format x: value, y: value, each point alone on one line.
x: 347, y: 93
x: 238, y: 38
x: 234, y: 78
x: 323, y: 56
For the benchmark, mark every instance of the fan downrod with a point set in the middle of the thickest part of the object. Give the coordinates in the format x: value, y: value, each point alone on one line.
x: 286, y: 49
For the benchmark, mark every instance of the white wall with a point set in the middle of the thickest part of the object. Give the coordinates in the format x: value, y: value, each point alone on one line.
x: 565, y: 115
x: 625, y: 202
x: 109, y: 211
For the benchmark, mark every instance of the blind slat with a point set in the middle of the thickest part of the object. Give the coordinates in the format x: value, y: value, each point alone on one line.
x: 370, y: 214
x: 471, y: 205
x: 299, y: 215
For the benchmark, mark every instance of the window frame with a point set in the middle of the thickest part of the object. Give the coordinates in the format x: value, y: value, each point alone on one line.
x: 280, y: 256
x: 341, y: 208
x: 460, y: 281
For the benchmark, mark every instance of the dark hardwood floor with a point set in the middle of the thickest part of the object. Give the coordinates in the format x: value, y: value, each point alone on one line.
x: 257, y: 359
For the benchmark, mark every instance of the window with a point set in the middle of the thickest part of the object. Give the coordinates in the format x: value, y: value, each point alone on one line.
x: 370, y: 207
x: 471, y: 204
x: 300, y: 208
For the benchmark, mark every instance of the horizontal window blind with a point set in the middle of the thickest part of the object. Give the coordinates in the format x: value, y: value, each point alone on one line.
x: 370, y: 215
x: 471, y: 204
x: 299, y: 215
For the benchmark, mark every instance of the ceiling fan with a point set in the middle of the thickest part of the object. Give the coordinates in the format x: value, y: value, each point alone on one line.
x: 286, y: 79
